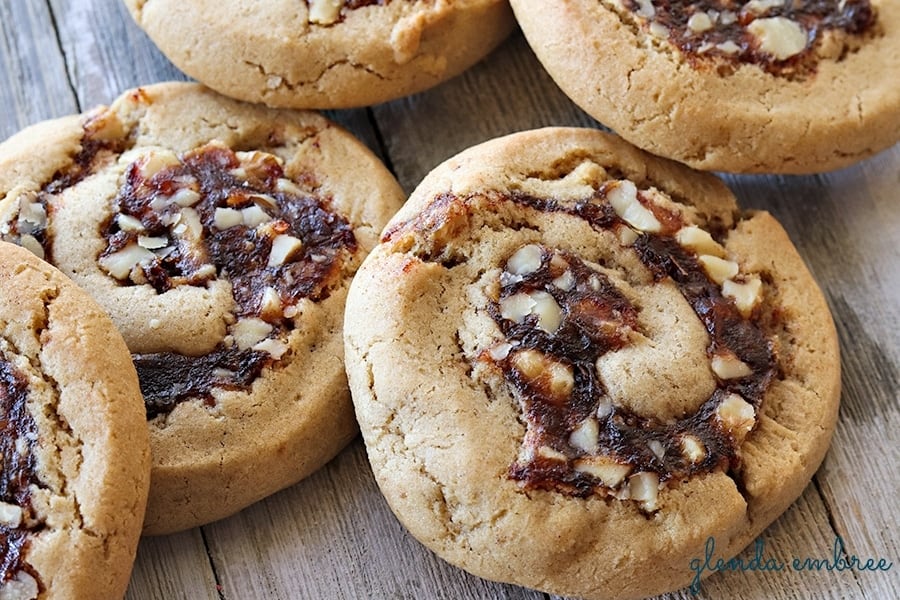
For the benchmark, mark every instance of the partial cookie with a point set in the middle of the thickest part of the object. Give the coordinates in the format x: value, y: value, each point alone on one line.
x: 75, y: 455
x: 781, y: 86
x: 323, y: 53
x: 573, y: 363
x: 221, y: 237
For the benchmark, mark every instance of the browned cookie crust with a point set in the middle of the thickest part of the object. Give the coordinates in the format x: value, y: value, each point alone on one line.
x: 746, y: 86
x: 573, y: 363
x: 221, y: 237
x: 323, y: 53
x: 75, y: 454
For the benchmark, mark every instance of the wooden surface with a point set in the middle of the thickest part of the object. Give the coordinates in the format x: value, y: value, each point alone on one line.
x: 332, y: 536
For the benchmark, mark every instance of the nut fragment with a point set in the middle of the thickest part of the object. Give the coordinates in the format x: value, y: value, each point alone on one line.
x: 555, y: 378
x: 275, y: 348
x: 324, y: 12
x: 692, y: 448
x: 270, y: 304
x: 129, y: 223
x: 657, y: 449
x: 119, y: 264
x: 745, y: 295
x: 728, y: 366
x: 548, y: 312
x: 548, y: 452
x: 585, y: 436
x: 500, y: 351
x: 185, y: 197
x: 700, y: 241
x: 627, y: 236
x: 737, y: 415
x: 283, y: 248
x: 152, y: 243
x: 254, y: 215
x: 728, y: 47
x: 539, y: 303
x: 30, y: 243
x: 779, y: 36
x: 525, y: 260
x: 565, y: 282
x: 154, y: 162
x: 623, y: 198
x: 658, y: 30
x: 225, y: 218
x: 605, y: 469
x: 699, y: 22
x: 10, y: 515
x: 644, y: 487
x: 646, y: 9
x: 21, y: 587
x: 717, y: 268
x: 516, y: 307
x: 759, y: 7
x: 249, y: 332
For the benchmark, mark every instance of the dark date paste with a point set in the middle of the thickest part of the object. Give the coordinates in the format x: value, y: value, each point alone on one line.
x: 206, y: 183
x: 596, y: 319
x: 724, y: 29
x: 18, y: 435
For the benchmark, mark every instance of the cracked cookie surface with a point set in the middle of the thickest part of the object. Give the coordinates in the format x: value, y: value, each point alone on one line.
x: 760, y: 86
x: 566, y: 345
x: 76, y: 457
x: 221, y: 237
x: 324, y: 53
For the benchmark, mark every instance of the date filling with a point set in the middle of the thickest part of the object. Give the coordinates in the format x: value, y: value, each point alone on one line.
x: 18, y: 436
x: 784, y: 37
x: 215, y: 213
x: 558, y: 315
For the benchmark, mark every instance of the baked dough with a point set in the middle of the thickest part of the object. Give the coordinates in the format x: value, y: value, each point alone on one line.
x: 573, y: 362
x: 323, y: 53
x: 76, y: 458
x: 221, y: 237
x: 722, y: 99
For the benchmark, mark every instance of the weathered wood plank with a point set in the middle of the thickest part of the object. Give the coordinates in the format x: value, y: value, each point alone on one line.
x: 174, y: 567
x: 33, y: 83
x: 106, y: 53
x: 508, y: 91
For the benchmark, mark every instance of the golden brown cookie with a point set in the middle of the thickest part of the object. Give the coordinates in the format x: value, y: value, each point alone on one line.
x: 74, y: 448
x: 573, y: 363
x: 779, y: 86
x: 323, y: 53
x: 221, y: 237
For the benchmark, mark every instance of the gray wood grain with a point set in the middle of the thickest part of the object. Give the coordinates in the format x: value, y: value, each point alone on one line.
x: 33, y: 83
x: 332, y: 535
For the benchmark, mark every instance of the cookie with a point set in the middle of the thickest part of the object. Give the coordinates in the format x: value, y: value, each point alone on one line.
x: 323, y: 53
x: 762, y: 86
x: 573, y: 363
x: 74, y: 447
x: 221, y: 237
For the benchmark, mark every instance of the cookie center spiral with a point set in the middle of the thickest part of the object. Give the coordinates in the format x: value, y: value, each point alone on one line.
x: 559, y: 316
x: 218, y: 214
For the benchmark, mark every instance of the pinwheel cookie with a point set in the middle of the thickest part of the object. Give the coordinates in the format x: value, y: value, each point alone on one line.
x: 221, y: 237
x: 785, y: 86
x: 573, y: 363
x: 74, y: 448
x: 323, y: 53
